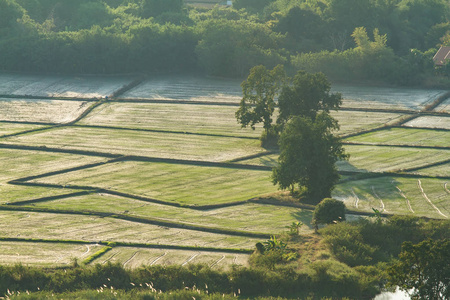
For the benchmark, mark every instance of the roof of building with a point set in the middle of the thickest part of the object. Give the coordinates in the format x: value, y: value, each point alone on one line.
x: 442, y: 56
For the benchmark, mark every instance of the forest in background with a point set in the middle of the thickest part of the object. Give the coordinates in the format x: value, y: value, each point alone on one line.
x: 383, y: 41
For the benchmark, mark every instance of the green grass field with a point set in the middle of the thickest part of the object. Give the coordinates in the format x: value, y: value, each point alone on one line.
x: 132, y: 142
x: 383, y: 159
x: 184, y: 184
x: 405, y: 136
x: 182, y: 144
x: 170, y: 117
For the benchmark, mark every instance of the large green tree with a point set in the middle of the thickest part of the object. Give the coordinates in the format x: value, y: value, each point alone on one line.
x: 423, y: 268
x: 308, y: 153
x: 306, y: 96
x: 259, y: 91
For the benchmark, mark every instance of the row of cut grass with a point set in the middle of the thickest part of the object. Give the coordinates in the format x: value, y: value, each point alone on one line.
x: 15, y: 193
x: 154, y: 144
x: 356, y: 121
x: 183, y: 184
x: 205, y: 119
x: 136, y: 257
x: 430, y: 122
x: 366, y: 194
x: 14, y: 128
x: 32, y: 225
x: 381, y: 159
x: 187, y: 88
x: 245, y: 217
x: 20, y: 163
x: 44, y: 111
x: 61, y: 86
x: 43, y: 254
x: 405, y: 136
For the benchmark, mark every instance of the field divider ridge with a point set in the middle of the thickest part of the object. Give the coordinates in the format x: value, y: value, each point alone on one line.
x: 50, y: 198
x: 64, y: 171
x: 164, y: 131
x: 265, y: 153
x: 50, y: 98
x: 128, y: 86
x: 141, y: 220
x: 32, y: 131
x: 396, y: 145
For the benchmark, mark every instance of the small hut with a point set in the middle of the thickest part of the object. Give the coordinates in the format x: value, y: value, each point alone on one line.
x: 442, y: 56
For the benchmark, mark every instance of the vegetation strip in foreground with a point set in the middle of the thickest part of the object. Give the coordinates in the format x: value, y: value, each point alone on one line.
x: 151, y: 221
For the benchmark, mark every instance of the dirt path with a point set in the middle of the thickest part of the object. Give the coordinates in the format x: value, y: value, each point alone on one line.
x: 131, y: 258
x: 158, y: 258
x: 190, y: 259
x: 217, y: 262
x: 356, y: 198
x: 378, y: 197
x: 446, y: 189
x: 407, y: 200
x: 419, y: 184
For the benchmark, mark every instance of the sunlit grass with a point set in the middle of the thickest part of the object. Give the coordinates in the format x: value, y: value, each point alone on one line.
x: 183, y: 184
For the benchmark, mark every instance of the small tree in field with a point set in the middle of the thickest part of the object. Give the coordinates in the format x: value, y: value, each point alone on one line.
x: 329, y: 211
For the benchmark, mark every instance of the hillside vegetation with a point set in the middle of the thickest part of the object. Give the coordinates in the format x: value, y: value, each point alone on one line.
x: 383, y: 41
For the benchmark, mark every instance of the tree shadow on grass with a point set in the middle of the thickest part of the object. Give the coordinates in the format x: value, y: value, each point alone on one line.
x: 304, y: 216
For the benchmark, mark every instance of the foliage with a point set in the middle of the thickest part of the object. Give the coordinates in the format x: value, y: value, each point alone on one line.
x: 364, y: 242
x: 231, y: 47
x: 259, y: 91
x: 294, y: 228
x: 308, y: 94
x: 308, y: 153
x: 223, y: 41
x: 329, y: 211
x: 424, y: 268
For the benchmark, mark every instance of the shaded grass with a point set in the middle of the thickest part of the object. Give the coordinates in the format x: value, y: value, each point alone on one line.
x: 405, y: 136
x: 155, y: 144
x: 183, y: 184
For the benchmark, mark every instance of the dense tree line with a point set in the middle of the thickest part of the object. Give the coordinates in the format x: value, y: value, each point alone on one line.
x: 119, y: 36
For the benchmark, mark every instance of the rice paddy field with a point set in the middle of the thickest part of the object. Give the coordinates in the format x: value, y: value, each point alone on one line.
x: 164, y: 174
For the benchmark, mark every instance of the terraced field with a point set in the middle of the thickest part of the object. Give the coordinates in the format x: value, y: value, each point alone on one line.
x: 162, y: 173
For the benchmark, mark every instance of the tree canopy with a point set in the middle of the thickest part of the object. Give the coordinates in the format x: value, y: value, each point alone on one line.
x: 226, y: 41
x: 259, y: 91
x: 306, y: 96
x: 308, y: 153
x: 424, y: 269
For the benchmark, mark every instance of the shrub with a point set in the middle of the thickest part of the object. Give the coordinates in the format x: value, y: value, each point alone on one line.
x: 329, y: 211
